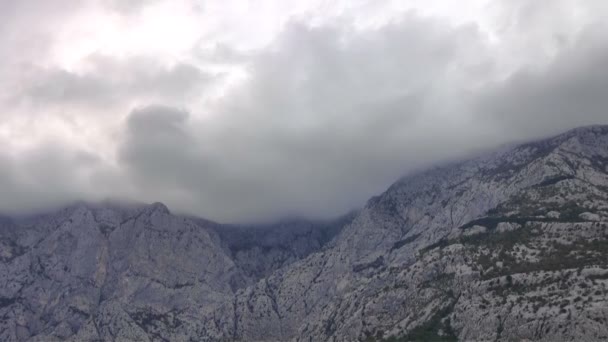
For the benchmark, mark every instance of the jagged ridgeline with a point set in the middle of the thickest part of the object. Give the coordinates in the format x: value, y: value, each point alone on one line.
x: 508, y: 246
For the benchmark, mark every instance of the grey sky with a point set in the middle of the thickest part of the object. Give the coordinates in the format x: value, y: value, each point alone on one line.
x: 244, y: 111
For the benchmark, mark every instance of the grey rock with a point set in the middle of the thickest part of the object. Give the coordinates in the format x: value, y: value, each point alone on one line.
x: 508, y: 246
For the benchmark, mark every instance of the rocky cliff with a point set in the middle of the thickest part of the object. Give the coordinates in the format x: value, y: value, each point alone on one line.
x: 511, y: 245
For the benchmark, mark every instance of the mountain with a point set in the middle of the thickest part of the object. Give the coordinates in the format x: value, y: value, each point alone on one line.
x: 259, y: 250
x: 136, y: 272
x: 512, y: 245
x: 102, y: 273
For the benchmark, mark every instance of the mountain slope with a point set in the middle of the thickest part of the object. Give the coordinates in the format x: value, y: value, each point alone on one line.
x: 422, y: 253
x: 508, y: 246
x: 260, y: 250
x: 101, y: 273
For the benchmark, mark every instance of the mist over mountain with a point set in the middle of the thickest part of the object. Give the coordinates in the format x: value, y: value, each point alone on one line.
x: 507, y: 246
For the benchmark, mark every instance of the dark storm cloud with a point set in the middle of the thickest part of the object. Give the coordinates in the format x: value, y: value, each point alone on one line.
x: 157, y: 149
x: 571, y: 91
x: 163, y: 154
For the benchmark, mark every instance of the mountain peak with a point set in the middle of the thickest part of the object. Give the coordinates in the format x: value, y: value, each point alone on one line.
x: 160, y: 207
x: 584, y: 131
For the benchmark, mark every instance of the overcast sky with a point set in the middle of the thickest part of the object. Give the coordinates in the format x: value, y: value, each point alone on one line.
x: 240, y: 110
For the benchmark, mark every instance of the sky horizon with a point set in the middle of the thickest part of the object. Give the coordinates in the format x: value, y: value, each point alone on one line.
x: 240, y: 111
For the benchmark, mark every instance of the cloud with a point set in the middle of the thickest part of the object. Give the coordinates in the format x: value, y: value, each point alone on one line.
x: 50, y: 175
x: 327, y: 114
x: 325, y: 119
x: 127, y: 6
x: 109, y: 81
x: 158, y: 149
x: 569, y: 91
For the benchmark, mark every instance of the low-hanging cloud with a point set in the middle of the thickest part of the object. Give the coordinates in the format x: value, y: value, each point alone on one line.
x: 570, y: 91
x: 314, y: 130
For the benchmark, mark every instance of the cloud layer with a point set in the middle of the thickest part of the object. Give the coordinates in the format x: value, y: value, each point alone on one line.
x: 297, y: 110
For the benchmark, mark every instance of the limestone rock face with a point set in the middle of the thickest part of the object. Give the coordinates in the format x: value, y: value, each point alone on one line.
x: 507, y: 246
x: 111, y: 273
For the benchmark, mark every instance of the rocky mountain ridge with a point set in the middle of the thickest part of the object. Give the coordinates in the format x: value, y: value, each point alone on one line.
x: 507, y: 246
